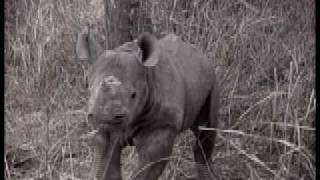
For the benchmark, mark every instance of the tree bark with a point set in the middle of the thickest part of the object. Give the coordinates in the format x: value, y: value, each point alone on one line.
x: 117, y: 17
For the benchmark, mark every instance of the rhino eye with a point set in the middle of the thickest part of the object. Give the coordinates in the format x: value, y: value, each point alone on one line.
x: 133, y: 95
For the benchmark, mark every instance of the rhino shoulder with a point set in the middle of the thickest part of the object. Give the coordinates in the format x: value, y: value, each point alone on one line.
x: 171, y: 43
x: 172, y: 37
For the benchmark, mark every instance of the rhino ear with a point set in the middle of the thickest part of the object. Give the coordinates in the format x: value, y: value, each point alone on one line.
x: 87, y: 47
x: 150, y: 51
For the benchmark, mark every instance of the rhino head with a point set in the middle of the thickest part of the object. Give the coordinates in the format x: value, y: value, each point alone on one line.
x: 118, y: 79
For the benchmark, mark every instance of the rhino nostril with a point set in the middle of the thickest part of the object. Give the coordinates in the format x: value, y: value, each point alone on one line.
x: 90, y: 116
x: 119, y: 116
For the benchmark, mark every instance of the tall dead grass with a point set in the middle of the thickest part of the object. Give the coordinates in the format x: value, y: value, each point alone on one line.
x: 264, y: 52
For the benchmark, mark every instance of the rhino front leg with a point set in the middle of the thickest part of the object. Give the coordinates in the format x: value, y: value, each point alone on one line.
x: 154, y: 148
x: 106, y: 158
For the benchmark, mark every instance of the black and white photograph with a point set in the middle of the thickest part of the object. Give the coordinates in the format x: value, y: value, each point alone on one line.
x: 159, y: 90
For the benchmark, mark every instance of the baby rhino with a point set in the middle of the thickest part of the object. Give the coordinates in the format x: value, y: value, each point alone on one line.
x: 144, y: 93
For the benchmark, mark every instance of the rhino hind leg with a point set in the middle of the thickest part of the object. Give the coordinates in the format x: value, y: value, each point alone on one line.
x: 205, y: 139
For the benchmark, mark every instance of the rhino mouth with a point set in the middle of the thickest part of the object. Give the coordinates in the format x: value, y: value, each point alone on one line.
x: 111, y: 123
x: 107, y: 122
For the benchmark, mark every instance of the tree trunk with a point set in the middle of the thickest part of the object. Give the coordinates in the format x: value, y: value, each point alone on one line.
x: 117, y: 16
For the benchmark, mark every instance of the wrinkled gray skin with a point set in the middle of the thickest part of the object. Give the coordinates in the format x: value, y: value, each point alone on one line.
x: 144, y: 93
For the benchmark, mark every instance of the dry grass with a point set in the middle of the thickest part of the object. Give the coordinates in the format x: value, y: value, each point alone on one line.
x: 264, y: 52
